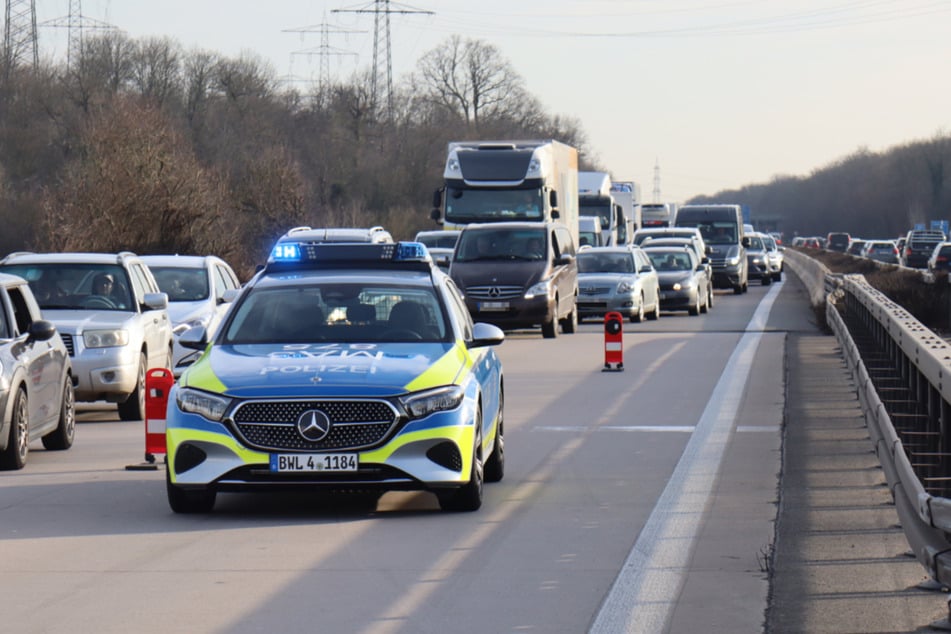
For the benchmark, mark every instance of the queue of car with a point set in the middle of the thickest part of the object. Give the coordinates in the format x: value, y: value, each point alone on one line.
x: 917, y: 249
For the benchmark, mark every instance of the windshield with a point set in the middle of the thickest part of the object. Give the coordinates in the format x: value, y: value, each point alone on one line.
x: 480, y: 205
x: 756, y: 244
x: 62, y: 286
x: 501, y: 244
x: 589, y: 262
x: 337, y: 313
x: 182, y: 284
x: 669, y: 260
x: 439, y: 240
x: 601, y: 211
x: 717, y: 232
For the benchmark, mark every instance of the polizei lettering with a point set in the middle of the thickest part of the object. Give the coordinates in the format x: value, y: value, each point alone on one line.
x: 335, y: 358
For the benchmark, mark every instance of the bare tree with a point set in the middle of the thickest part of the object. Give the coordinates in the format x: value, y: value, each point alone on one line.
x: 472, y: 79
x: 156, y: 68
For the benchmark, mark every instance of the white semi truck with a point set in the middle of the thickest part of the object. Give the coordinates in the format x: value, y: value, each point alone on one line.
x: 599, y: 197
x: 502, y: 181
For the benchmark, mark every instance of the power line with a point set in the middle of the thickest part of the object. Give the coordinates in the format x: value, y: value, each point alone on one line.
x: 324, y: 51
x: 75, y: 23
x: 381, y: 11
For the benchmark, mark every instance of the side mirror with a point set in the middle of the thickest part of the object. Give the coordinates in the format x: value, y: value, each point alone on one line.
x: 485, y: 335
x: 41, y: 330
x: 436, y: 216
x: 647, y: 268
x: 195, y: 338
x: 155, y: 301
x: 437, y: 198
x: 564, y: 260
x: 745, y: 241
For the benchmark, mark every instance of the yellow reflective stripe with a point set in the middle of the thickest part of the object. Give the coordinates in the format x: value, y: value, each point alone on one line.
x: 177, y: 435
x: 201, y: 376
x: 462, y: 435
x: 445, y: 371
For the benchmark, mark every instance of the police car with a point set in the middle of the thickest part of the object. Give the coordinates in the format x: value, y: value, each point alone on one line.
x: 340, y: 366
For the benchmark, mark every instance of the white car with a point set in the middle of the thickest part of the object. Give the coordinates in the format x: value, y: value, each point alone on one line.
x: 111, y: 315
x: 197, y: 287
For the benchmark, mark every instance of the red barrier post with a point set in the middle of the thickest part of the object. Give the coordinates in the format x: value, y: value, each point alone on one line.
x: 158, y: 383
x: 613, y: 342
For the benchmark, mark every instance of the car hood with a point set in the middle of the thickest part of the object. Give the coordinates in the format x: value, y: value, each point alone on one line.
x: 181, y: 312
x: 497, y: 272
x: 673, y: 276
x: 76, y: 322
x: 723, y: 251
x: 275, y: 370
x: 603, y: 279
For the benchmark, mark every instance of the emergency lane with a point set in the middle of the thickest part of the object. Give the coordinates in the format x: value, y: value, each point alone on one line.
x: 589, y: 454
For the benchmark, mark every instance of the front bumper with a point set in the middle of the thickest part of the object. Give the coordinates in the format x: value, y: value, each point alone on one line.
x: 429, y: 453
x: 105, y: 374
x: 598, y: 305
x: 684, y: 299
x: 512, y: 313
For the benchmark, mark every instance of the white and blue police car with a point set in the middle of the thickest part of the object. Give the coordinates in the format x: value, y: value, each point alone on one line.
x: 342, y: 367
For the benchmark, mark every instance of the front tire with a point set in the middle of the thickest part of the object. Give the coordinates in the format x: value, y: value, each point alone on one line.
x: 133, y: 408
x: 569, y: 325
x: 18, y: 444
x: 638, y: 317
x: 61, y: 438
x: 495, y: 466
x: 468, y: 497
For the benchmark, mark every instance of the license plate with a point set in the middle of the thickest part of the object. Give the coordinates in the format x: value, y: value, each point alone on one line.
x: 493, y: 306
x: 307, y: 462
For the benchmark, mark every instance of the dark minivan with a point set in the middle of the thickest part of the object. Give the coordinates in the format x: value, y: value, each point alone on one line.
x: 518, y: 275
x: 721, y: 226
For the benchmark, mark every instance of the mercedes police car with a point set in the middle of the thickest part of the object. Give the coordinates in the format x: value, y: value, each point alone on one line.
x: 349, y: 367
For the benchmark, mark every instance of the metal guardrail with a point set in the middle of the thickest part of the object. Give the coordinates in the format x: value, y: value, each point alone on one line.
x: 903, y: 377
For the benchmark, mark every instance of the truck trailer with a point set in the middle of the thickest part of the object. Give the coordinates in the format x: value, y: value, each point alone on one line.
x: 504, y: 181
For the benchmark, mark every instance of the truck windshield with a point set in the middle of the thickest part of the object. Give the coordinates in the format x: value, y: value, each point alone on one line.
x: 488, y: 205
x: 717, y: 232
x: 598, y: 210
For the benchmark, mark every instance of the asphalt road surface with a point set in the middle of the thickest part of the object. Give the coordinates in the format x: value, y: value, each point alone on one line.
x: 641, y: 500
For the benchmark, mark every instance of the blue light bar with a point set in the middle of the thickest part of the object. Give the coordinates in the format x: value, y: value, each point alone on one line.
x: 316, y: 254
x: 286, y: 252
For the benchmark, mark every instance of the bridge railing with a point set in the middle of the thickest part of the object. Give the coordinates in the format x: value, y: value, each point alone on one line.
x: 903, y: 376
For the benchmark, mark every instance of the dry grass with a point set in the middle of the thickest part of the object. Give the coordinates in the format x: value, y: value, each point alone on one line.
x: 928, y: 301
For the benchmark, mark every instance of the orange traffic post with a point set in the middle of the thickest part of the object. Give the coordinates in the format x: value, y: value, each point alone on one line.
x: 613, y: 342
x: 158, y: 384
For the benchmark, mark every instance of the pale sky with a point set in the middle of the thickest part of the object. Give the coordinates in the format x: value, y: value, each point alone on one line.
x: 719, y: 93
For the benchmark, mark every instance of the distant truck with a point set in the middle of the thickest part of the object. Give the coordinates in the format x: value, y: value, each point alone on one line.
x: 503, y: 181
x: 657, y: 214
x: 595, y: 198
x: 628, y: 195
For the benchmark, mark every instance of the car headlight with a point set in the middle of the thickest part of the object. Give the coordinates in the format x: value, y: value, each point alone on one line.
x: 542, y: 289
x: 626, y: 286
x: 210, y: 406
x: 420, y: 404
x: 757, y: 260
x: 687, y: 282
x: 733, y: 260
x: 105, y: 338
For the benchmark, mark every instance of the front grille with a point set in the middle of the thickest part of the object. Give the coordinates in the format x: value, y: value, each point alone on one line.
x: 494, y: 292
x: 68, y: 340
x: 592, y: 305
x: 594, y: 290
x: 355, y: 424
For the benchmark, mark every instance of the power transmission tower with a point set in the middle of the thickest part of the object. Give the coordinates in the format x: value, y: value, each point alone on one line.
x: 324, y: 51
x: 382, y: 10
x: 76, y: 23
x: 19, y: 33
x: 656, y: 195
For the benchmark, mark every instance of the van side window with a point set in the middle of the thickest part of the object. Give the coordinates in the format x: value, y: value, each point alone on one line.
x: 21, y: 312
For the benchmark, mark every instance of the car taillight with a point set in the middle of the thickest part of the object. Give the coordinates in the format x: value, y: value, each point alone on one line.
x: 907, y: 250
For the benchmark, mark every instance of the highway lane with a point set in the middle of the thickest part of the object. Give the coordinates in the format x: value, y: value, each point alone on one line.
x: 87, y: 545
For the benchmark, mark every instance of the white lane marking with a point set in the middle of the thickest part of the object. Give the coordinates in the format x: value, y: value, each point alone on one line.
x: 757, y: 428
x: 646, y: 590
x: 677, y: 428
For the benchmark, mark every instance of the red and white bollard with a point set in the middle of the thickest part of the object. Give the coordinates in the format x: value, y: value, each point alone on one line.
x: 158, y: 383
x: 613, y: 342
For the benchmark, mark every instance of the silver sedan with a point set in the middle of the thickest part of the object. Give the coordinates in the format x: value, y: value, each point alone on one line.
x: 617, y: 279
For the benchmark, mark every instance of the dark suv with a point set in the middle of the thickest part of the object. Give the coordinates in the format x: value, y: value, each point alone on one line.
x: 518, y: 275
x: 838, y: 242
x: 919, y: 245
